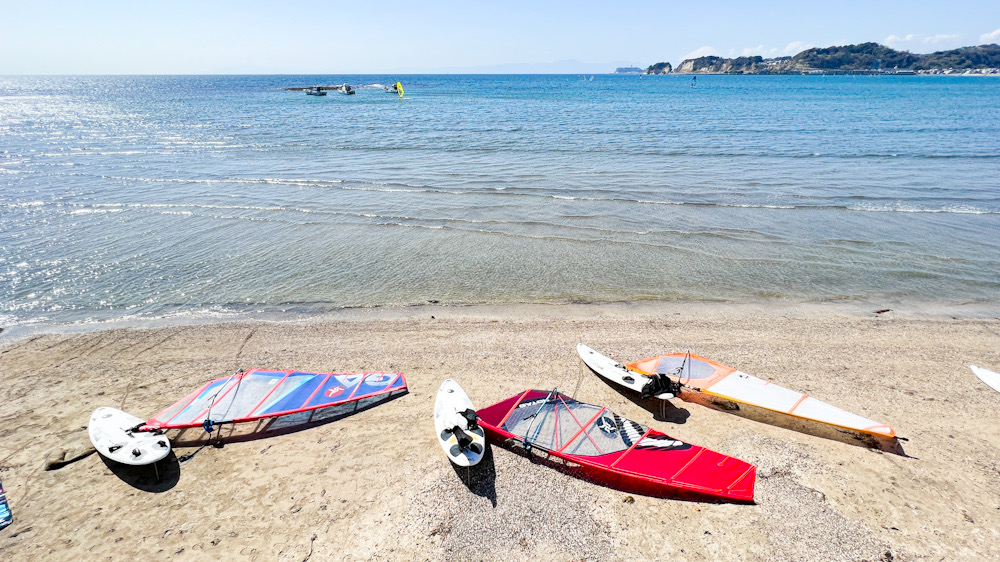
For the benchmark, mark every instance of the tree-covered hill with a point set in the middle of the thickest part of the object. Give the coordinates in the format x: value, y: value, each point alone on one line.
x: 846, y: 58
x: 659, y: 68
x: 983, y: 56
x: 866, y: 56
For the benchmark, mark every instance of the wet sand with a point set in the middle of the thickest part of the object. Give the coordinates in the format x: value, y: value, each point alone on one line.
x: 376, y: 485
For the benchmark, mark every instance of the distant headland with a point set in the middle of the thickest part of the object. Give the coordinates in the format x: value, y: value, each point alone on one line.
x: 864, y: 58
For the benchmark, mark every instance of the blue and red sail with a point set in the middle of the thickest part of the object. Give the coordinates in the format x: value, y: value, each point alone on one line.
x: 257, y: 394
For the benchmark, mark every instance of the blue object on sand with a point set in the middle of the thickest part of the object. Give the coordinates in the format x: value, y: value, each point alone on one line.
x: 5, y: 516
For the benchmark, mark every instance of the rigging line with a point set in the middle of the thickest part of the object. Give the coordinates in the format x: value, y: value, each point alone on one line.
x: 680, y: 370
x: 687, y: 361
x: 181, y: 461
x: 208, y: 413
x: 555, y: 431
x: 535, y: 418
x: 538, y: 428
x: 579, y: 379
x: 679, y: 373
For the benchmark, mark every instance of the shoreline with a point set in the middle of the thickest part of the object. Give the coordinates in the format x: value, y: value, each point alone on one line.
x: 325, y: 312
x: 376, y: 484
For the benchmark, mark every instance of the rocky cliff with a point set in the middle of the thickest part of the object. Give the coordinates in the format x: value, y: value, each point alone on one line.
x: 719, y: 65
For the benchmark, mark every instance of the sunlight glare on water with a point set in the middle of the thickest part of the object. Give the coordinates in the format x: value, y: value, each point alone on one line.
x: 159, y: 195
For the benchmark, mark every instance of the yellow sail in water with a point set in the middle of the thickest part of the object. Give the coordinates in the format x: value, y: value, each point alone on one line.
x: 399, y: 88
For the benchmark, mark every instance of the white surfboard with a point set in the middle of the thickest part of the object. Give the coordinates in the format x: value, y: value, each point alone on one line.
x: 109, y: 432
x: 987, y: 376
x: 615, y: 372
x: 463, y: 441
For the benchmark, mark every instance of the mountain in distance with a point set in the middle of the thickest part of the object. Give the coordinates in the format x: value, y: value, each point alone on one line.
x: 865, y: 58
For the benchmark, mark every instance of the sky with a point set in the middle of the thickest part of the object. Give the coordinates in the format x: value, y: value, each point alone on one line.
x: 408, y: 37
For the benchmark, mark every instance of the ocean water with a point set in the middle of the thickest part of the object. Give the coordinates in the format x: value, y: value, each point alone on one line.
x: 157, y: 196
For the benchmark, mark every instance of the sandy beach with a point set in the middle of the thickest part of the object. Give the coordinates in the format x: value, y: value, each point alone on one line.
x: 376, y: 485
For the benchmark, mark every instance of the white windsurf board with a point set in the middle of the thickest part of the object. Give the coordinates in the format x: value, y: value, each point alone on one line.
x: 463, y: 441
x: 615, y: 372
x: 992, y: 379
x: 110, y: 432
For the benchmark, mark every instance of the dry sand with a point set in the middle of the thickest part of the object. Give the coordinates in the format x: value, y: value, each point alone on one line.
x: 376, y: 485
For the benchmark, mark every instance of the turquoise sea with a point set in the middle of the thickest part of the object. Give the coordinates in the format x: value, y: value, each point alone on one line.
x: 165, y: 196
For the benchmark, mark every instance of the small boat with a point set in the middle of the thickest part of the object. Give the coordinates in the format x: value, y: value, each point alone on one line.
x: 702, y: 381
x: 396, y: 88
x: 315, y: 91
x: 346, y: 89
x: 598, y: 445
